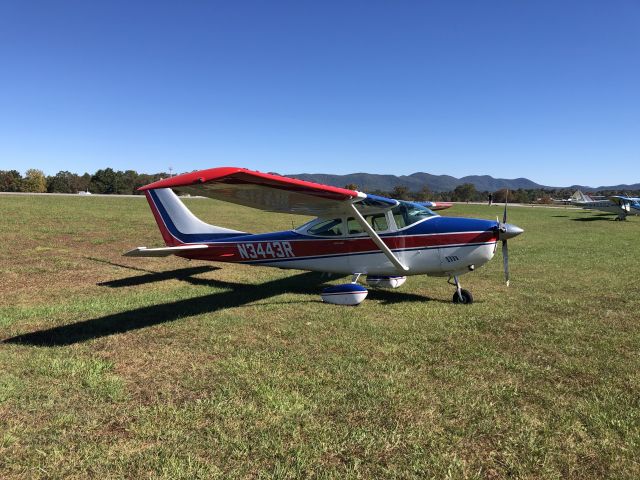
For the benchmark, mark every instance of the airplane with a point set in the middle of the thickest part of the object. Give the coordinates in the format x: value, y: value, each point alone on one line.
x: 435, y: 206
x: 620, y: 205
x: 354, y: 233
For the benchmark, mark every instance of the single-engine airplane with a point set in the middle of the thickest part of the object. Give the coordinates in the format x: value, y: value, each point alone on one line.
x: 434, y: 206
x: 620, y: 205
x: 354, y: 233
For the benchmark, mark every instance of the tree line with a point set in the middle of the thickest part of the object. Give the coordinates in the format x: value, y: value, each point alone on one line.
x: 467, y: 192
x: 105, y: 181
x: 109, y: 181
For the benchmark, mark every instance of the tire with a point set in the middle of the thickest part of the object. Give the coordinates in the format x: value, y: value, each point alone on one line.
x: 467, y: 298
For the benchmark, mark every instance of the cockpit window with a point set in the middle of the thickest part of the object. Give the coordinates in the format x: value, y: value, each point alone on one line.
x: 408, y: 213
x: 328, y: 228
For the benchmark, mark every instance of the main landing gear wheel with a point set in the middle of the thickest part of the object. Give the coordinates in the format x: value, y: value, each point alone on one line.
x: 464, y: 297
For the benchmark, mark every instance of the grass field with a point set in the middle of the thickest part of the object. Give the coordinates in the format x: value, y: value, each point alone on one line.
x: 115, y: 367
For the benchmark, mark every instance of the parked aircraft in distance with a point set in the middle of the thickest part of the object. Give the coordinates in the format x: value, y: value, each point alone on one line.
x: 434, y: 206
x: 354, y: 232
x: 620, y: 205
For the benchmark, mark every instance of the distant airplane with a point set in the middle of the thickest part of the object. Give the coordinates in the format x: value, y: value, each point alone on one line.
x: 617, y: 204
x: 354, y: 232
x: 436, y: 205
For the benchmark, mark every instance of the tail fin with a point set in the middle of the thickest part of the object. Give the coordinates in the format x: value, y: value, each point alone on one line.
x: 578, y: 196
x: 178, y: 225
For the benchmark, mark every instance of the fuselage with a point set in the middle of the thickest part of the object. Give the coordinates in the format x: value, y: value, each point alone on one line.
x: 601, y: 205
x: 420, y: 240
x: 438, y: 246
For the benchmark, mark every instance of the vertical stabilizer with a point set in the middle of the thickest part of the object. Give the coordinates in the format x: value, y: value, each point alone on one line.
x: 580, y: 197
x: 178, y: 225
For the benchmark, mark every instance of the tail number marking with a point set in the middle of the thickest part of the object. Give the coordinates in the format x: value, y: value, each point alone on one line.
x: 265, y: 250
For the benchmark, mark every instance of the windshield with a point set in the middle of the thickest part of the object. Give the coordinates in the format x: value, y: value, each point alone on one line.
x: 408, y: 213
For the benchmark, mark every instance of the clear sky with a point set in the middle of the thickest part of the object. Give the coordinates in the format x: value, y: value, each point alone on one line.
x: 548, y: 90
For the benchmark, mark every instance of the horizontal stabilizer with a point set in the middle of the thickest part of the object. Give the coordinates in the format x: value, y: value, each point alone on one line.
x: 163, y: 251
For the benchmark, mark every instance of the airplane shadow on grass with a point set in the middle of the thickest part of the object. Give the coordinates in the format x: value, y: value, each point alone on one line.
x: 233, y: 295
x: 594, y: 218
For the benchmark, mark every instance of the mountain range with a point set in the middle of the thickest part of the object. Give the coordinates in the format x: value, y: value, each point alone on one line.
x: 438, y: 183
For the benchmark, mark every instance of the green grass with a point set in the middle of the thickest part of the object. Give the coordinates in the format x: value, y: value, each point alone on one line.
x: 161, y: 368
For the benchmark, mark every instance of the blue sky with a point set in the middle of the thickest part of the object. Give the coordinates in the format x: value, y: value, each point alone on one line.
x: 546, y: 90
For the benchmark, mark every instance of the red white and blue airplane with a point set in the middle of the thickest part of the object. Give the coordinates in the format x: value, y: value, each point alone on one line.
x: 354, y: 233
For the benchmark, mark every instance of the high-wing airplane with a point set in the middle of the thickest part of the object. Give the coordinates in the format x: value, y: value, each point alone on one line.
x: 354, y: 233
x: 620, y: 205
x: 434, y: 206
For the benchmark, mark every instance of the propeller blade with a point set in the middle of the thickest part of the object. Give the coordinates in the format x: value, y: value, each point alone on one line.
x: 506, y: 200
x: 505, y: 260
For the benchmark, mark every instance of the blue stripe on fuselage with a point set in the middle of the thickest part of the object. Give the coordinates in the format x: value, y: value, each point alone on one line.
x: 448, y: 225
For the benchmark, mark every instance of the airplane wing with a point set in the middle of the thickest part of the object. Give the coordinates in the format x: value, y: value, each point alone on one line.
x: 624, y: 203
x: 620, y: 200
x: 271, y: 192
x: 275, y: 193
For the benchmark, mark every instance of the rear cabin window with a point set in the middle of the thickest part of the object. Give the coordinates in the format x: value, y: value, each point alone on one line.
x: 353, y: 226
x: 378, y: 222
x: 408, y: 213
x: 328, y: 228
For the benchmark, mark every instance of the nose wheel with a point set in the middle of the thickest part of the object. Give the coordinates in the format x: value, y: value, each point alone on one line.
x: 461, y: 295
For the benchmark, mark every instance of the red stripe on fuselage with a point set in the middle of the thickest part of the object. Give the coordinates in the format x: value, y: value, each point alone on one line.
x: 268, y: 250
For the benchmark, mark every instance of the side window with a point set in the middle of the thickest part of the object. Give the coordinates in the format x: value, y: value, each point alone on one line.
x: 353, y: 226
x: 328, y: 228
x: 378, y: 222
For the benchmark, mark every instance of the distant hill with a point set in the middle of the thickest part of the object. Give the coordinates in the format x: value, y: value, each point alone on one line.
x: 416, y: 181
x: 622, y: 187
x: 438, y: 183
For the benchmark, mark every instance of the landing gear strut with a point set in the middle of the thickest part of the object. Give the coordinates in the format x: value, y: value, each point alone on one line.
x: 461, y: 296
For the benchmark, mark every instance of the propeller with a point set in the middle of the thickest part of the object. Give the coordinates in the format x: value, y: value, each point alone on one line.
x: 505, y: 246
x: 505, y: 232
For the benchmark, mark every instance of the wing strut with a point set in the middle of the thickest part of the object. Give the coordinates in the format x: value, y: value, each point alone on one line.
x: 376, y: 239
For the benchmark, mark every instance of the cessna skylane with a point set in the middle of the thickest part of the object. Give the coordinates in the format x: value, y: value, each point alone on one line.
x: 620, y: 205
x: 354, y: 233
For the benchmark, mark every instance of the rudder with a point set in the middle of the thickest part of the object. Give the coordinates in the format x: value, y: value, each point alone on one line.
x: 178, y: 225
